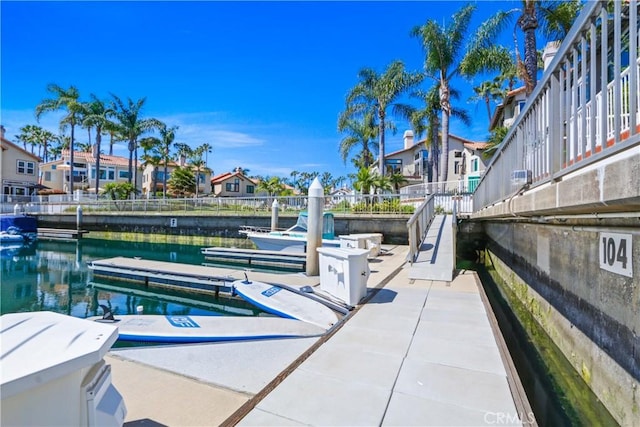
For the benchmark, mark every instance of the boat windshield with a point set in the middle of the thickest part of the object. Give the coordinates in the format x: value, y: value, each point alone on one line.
x: 328, y: 227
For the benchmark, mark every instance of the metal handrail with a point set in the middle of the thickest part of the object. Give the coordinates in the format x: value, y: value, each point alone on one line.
x: 418, y: 225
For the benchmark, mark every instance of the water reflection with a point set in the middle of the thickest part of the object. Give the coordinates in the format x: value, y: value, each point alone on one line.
x: 53, y: 276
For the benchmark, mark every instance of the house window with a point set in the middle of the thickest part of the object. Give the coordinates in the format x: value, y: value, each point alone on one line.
x: 456, y: 168
x: 234, y: 186
x: 393, y: 166
x: 475, y: 162
x: 123, y: 174
x: 521, y: 105
x: 47, y: 176
x: 26, y: 168
x: 250, y: 189
x: 457, y: 154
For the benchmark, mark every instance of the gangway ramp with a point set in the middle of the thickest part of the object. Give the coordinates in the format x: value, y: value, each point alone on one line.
x: 436, y: 257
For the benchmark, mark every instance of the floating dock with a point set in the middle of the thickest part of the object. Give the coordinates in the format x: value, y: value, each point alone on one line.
x: 257, y: 257
x: 201, y: 279
x: 60, y: 234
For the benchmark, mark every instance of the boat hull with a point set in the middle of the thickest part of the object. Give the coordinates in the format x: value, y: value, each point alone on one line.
x: 194, y: 329
x: 285, y: 243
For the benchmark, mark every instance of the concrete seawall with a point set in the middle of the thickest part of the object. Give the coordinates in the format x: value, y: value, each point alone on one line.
x: 590, y: 313
x: 393, y: 227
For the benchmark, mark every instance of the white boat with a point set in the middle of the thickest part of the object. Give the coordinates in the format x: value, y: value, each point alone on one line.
x: 293, y: 239
x: 10, y: 237
x: 282, y: 302
x: 198, y: 329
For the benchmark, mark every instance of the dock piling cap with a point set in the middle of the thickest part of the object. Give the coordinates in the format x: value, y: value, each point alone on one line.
x: 316, y: 190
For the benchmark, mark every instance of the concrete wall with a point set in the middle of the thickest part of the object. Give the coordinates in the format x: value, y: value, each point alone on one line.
x: 392, y: 227
x: 592, y: 314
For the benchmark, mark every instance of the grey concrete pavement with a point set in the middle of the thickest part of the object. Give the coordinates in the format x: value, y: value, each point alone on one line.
x: 418, y: 352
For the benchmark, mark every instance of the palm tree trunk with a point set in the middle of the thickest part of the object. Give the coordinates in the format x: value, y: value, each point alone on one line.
x: 135, y: 171
x: 71, y: 160
x: 531, y: 56
x: 381, y: 143
x: 446, y: 111
x: 131, y: 147
x: 98, y: 142
x: 164, y: 180
x: 488, y: 101
x: 155, y: 181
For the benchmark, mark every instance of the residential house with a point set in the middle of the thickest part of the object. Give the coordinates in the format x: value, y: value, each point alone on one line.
x: 233, y: 184
x: 19, y: 169
x: 508, y: 110
x: 148, y: 171
x: 55, y: 174
x: 466, y: 163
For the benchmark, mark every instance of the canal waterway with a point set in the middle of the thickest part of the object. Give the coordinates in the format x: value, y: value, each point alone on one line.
x: 54, y: 276
x: 557, y: 393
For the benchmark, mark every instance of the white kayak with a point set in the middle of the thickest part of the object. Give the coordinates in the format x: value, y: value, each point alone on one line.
x: 282, y: 302
x: 192, y: 329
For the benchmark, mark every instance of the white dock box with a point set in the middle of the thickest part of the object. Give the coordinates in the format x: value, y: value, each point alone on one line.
x: 344, y: 273
x: 370, y: 241
x: 53, y: 373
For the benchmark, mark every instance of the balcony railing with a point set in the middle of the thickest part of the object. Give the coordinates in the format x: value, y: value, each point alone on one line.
x: 584, y: 108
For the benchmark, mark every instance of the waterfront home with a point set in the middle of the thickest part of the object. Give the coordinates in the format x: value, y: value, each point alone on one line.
x: 113, y: 169
x: 233, y: 184
x: 149, y: 170
x: 19, y: 169
x: 507, y: 111
x: 466, y: 163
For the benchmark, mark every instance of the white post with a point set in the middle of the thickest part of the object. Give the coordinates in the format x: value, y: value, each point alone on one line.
x: 314, y: 226
x: 79, y: 217
x: 274, y: 215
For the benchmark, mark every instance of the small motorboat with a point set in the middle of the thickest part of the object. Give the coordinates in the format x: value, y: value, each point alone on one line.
x: 293, y: 239
x: 11, y: 236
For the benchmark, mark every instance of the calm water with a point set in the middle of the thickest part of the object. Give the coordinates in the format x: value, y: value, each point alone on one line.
x: 54, y: 276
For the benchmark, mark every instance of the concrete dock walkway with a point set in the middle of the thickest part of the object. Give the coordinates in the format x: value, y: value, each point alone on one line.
x: 418, y: 352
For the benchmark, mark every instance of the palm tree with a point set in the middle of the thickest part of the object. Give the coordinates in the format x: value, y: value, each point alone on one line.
x: 427, y: 120
x: 131, y: 126
x: 273, y: 186
x: 207, y: 149
x: 488, y: 91
x: 67, y: 99
x: 363, y: 181
x: 375, y: 93
x: 152, y: 156
x: 446, y: 59
x: 198, y: 164
x: 327, y: 182
x: 553, y: 17
x: 96, y: 114
x: 361, y: 133
x: 381, y: 182
x: 183, y: 151
x: 167, y: 136
x: 396, y: 180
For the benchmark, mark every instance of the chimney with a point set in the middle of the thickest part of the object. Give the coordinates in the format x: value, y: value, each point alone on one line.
x: 549, y: 52
x: 2, y: 131
x: 408, y: 139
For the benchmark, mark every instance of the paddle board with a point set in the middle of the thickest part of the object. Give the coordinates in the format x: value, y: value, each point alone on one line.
x: 192, y: 329
x: 276, y: 300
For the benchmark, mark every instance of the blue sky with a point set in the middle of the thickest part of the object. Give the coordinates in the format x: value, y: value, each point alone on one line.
x: 262, y: 82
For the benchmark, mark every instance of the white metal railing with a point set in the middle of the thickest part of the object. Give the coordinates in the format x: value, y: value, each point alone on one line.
x: 584, y: 108
x: 418, y: 225
x: 343, y: 204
